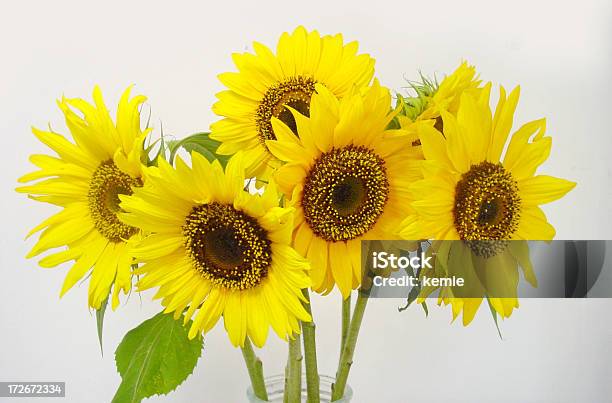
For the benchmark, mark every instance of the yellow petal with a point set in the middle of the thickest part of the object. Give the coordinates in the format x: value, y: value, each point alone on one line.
x: 520, y: 251
x: 83, y: 264
x: 317, y: 255
x: 533, y: 226
x: 502, y: 123
x: 543, y: 189
x: 235, y: 319
x: 341, y: 267
x: 60, y: 257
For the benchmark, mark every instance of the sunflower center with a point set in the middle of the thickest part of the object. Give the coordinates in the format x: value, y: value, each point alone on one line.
x: 348, y: 196
x: 227, y: 247
x: 107, y: 183
x: 221, y: 248
x: 294, y: 92
x: 487, y: 203
x: 345, y: 193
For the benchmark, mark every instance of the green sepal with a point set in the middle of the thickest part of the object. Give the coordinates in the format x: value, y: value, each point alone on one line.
x: 424, y: 305
x: 412, y: 296
x: 154, y: 358
x: 100, y: 322
x: 494, y: 314
x: 415, y: 291
x: 421, y: 92
x: 148, y: 146
x: 161, y: 152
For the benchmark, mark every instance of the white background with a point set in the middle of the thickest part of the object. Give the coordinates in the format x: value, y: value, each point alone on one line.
x: 553, y: 351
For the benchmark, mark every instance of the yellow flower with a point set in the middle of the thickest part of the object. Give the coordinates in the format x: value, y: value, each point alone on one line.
x: 448, y: 95
x: 348, y: 178
x: 432, y: 98
x: 218, y: 250
x: 470, y: 193
x: 85, y: 179
x: 266, y: 84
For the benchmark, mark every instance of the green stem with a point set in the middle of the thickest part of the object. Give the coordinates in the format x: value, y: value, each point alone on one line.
x: 310, y: 354
x: 346, y: 358
x: 293, y: 390
x: 286, y: 395
x: 255, y: 368
x: 346, y: 320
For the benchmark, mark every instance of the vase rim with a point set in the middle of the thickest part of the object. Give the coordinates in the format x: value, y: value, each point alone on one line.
x: 325, y: 380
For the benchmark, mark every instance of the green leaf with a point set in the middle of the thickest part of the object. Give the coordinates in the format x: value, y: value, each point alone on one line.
x: 154, y: 161
x: 200, y: 143
x: 154, y: 358
x: 100, y: 322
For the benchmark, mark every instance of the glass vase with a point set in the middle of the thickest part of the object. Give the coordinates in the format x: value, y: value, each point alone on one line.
x: 275, y: 385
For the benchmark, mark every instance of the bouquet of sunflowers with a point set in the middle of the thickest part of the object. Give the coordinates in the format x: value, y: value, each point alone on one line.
x: 311, y: 155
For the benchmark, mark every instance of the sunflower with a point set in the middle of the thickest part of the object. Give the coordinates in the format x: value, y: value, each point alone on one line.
x: 85, y: 179
x: 218, y: 250
x: 347, y: 177
x: 470, y: 193
x: 432, y: 98
x: 267, y: 84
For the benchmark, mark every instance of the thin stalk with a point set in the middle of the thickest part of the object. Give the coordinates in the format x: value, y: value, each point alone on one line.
x: 255, y: 368
x: 293, y: 391
x: 346, y: 359
x: 346, y: 320
x: 310, y: 354
x: 286, y: 395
